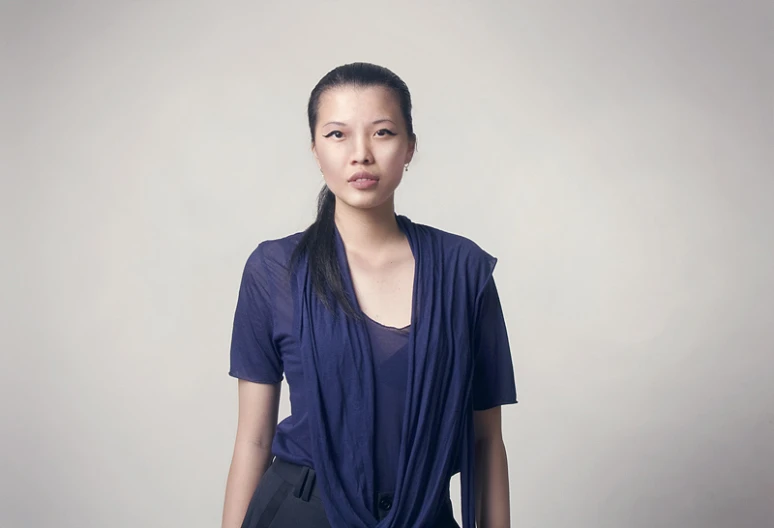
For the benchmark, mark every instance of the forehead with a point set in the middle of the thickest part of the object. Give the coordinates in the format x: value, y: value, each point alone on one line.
x: 353, y: 103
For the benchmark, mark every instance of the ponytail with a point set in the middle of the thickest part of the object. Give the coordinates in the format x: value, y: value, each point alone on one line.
x: 319, y: 244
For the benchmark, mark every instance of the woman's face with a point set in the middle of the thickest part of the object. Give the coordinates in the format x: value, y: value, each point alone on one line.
x: 361, y: 144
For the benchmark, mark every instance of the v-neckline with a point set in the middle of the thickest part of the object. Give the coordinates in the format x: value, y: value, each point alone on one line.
x: 412, y: 329
x: 384, y: 326
x: 350, y: 284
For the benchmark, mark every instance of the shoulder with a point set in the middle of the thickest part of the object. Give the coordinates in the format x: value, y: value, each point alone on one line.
x: 463, y: 262
x: 455, y: 245
x: 271, y: 255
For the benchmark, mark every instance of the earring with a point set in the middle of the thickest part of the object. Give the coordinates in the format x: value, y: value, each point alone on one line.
x: 406, y: 168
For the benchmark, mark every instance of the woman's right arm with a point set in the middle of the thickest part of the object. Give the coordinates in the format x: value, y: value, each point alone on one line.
x: 258, y: 411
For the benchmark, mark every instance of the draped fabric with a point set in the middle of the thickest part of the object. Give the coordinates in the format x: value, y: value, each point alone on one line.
x: 450, y: 275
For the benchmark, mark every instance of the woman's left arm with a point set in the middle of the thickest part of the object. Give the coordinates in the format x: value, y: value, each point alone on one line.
x: 493, y: 508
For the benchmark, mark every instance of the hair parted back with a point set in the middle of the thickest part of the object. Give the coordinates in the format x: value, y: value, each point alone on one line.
x: 318, y: 240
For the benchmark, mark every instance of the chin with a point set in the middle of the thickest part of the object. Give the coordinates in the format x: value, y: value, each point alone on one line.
x: 365, y: 202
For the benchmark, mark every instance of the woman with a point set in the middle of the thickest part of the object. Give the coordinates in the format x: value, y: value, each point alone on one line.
x: 391, y: 337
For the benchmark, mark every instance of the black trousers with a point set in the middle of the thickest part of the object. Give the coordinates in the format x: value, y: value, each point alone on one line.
x: 288, y: 497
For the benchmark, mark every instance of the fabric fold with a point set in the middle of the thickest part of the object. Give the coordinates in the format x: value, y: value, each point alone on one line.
x: 450, y: 275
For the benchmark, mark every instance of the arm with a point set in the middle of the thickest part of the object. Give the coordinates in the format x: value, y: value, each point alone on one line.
x: 258, y: 410
x: 492, y: 493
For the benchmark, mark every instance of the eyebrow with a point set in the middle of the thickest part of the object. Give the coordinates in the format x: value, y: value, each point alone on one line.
x: 339, y: 123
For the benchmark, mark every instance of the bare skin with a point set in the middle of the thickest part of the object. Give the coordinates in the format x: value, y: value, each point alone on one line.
x: 493, y: 508
x: 258, y: 411
x: 363, y: 130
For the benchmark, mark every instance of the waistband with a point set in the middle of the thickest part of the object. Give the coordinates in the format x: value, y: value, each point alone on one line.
x: 302, y: 478
x: 304, y: 482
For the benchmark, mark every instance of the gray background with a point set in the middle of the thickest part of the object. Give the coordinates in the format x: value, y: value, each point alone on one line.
x: 616, y: 156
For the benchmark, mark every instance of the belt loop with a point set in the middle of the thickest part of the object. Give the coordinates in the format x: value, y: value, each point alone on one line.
x: 306, y: 494
x: 299, y: 489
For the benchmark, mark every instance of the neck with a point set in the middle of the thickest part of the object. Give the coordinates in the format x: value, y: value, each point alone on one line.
x: 367, y: 230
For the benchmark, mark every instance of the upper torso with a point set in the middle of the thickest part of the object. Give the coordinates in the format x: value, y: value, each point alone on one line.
x: 264, y: 349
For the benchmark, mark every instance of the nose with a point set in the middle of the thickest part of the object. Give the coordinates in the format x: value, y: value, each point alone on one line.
x: 361, y: 152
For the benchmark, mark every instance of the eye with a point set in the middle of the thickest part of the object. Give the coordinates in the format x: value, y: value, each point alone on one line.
x: 385, y: 132
x: 336, y: 133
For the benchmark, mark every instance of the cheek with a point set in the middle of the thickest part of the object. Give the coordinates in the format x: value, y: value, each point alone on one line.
x: 389, y: 156
x: 328, y: 158
x: 393, y: 155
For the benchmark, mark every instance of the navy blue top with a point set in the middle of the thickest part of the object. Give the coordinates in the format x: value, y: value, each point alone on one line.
x: 264, y: 347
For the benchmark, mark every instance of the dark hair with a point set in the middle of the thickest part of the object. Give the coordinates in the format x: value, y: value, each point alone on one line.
x: 318, y: 240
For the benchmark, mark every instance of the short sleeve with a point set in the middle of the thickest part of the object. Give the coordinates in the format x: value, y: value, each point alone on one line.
x: 254, y: 355
x: 493, y: 378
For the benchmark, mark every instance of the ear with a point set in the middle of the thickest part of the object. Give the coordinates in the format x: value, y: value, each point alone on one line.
x: 412, y: 147
x: 316, y: 158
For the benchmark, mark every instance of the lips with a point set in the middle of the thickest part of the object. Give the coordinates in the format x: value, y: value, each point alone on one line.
x: 363, y: 176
